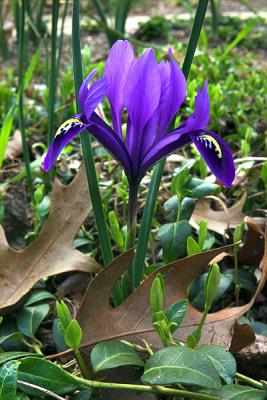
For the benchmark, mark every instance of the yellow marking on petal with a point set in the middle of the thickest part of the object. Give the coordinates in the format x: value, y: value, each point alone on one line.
x: 215, y: 143
x: 66, y: 123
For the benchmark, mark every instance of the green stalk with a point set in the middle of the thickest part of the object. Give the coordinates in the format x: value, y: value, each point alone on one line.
x: 26, y: 154
x: 101, y: 12
x: 61, y: 38
x: 81, y: 363
x: 52, y: 74
x: 3, y: 41
x: 88, y: 153
x: 138, y: 264
x: 250, y: 381
x: 131, y: 217
x: 147, y: 389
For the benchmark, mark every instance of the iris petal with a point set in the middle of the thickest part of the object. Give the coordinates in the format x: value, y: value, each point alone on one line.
x: 120, y: 60
x: 163, y: 148
x: 112, y: 142
x: 64, y: 134
x: 216, y: 154
x: 141, y: 98
x: 200, y: 117
x: 83, y: 92
x: 96, y: 94
x: 173, y: 90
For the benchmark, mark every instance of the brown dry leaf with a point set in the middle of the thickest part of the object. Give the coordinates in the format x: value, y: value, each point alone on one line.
x: 251, y: 252
x: 218, y: 221
x: 52, y: 252
x: 14, y: 146
x: 243, y: 336
x: 132, y: 319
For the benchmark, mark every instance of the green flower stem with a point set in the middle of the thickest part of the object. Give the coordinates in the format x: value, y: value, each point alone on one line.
x: 81, y: 363
x: 21, y: 58
x: 52, y: 74
x: 131, y: 216
x: 148, y: 389
x: 138, y: 264
x: 88, y: 153
x: 237, y: 278
x: 250, y: 381
x: 61, y: 37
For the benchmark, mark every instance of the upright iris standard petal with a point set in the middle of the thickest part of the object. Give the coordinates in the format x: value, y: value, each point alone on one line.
x: 119, y: 62
x: 84, y: 89
x: 173, y: 90
x: 64, y: 134
x: 96, y: 94
x: 200, y: 117
x: 217, y: 155
x: 141, y: 98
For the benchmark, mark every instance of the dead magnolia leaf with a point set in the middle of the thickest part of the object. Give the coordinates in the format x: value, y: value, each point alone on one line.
x: 243, y: 336
x: 251, y: 252
x: 218, y: 221
x: 52, y: 252
x: 14, y: 146
x: 133, y: 317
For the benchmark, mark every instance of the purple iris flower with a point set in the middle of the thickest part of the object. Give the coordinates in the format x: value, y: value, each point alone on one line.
x: 151, y: 93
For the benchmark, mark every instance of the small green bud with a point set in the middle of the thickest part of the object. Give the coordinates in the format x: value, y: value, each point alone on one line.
x: 238, y: 232
x: 180, y: 182
x: 73, y: 335
x: 203, y: 228
x: 115, y: 230
x: 157, y: 294
x: 192, y: 247
x: 63, y: 314
x: 38, y: 194
x: 212, y: 285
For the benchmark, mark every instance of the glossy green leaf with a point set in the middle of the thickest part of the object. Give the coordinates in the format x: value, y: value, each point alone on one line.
x: 197, y: 188
x: 238, y: 392
x: 83, y: 395
x: 181, y: 365
x: 47, y: 375
x: 173, y: 239
x: 38, y: 296
x: 176, y: 313
x: 112, y: 354
x: 259, y: 327
x: 8, y: 380
x: 73, y: 334
x: 11, y: 336
x: 13, y: 355
x: 22, y: 396
x: 222, y: 360
x: 30, y: 318
x: 171, y: 208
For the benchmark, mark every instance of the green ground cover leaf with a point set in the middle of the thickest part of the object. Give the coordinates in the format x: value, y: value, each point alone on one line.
x: 112, y: 354
x: 181, y: 365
